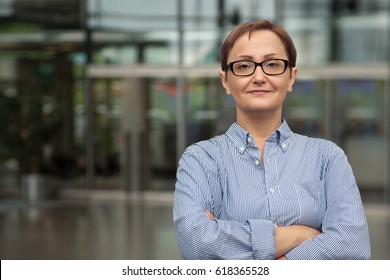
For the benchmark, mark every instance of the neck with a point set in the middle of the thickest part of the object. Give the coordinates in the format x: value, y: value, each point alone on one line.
x: 259, y: 125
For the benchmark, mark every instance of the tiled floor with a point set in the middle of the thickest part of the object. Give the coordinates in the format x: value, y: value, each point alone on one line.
x: 109, y: 226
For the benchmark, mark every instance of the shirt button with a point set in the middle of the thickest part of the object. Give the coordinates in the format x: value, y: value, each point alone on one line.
x: 242, y: 148
x: 249, y: 139
x: 272, y: 190
x: 257, y: 162
x: 268, y: 160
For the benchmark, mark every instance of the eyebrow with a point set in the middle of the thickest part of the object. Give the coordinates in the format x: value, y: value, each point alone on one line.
x: 270, y: 55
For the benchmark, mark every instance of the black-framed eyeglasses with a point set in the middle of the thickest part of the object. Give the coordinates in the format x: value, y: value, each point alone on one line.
x: 271, y: 67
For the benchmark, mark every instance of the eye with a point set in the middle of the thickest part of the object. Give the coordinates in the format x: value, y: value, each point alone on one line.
x: 243, y: 65
x: 273, y: 64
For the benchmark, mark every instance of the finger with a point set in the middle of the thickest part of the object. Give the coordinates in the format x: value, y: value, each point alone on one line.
x: 209, y: 215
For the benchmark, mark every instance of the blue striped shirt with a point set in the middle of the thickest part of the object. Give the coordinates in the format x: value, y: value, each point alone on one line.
x: 301, y: 180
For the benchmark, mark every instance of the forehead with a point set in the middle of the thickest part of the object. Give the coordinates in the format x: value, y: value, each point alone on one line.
x: 258, y: 44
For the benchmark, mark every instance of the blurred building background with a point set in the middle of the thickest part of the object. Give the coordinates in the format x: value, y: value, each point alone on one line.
x: 99, y: 98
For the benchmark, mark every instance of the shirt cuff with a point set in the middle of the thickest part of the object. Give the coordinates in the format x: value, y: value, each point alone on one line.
x: 263, y: 239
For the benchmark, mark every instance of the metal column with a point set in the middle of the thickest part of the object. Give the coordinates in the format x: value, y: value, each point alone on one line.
x: 180, y: 86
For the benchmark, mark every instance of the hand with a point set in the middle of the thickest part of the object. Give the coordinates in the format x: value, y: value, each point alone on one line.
x: 289, y: 237
x: 209, y: 215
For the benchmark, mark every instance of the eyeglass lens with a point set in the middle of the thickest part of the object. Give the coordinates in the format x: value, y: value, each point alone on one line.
x: 247, y: 67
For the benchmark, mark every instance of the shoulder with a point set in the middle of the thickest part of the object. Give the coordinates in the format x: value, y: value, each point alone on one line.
x: 207, y: 152
x: 323, y: 148
x: 207, y: 148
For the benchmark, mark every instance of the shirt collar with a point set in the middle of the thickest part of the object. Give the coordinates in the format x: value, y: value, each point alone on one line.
x: 242, y: 138
x: 286, y: 135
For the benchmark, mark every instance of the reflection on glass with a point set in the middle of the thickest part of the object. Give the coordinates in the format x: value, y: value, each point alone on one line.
x: 361, y: 109
x: 162, y: 128
x: 305, y: 106
x: 202, y: 110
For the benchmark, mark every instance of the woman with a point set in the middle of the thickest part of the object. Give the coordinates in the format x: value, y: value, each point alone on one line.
x: 260, y: 191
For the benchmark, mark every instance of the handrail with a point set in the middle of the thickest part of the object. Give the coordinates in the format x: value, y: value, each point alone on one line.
x: 325, y: 72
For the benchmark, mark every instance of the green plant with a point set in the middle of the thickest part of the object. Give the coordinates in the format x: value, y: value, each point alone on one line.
x: 30, y: 119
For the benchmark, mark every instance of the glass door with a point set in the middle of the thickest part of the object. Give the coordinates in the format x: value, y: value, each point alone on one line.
x: 361, y: 112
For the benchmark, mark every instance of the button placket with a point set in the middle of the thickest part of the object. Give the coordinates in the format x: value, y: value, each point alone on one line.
x: 271, y: 177
x: 254, y: 151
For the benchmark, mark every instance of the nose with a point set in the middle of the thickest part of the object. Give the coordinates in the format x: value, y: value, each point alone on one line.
x: 259, y: 75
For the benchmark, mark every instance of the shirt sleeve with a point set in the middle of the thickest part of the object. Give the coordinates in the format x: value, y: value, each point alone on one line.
x: 197, y: 190
x: 344, y: 233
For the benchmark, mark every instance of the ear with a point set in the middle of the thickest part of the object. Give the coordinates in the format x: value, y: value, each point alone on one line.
x: 224, y: 82
x: 291, y: 82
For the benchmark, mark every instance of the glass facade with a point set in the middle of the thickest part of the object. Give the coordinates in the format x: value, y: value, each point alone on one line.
x: 106, y: 94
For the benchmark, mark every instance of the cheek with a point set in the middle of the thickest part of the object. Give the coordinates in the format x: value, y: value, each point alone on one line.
x: 284, y: 85
x: 237, y: 86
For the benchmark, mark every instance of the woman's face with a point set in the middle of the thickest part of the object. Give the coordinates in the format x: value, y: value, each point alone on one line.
x: 258, y: 93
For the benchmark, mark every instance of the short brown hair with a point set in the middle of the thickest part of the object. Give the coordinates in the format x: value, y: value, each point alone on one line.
x: 251, y: 26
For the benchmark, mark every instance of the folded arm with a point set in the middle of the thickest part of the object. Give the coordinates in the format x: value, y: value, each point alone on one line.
x: 198, y: 190
x: 286, y: 237
x: 344, y: 227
